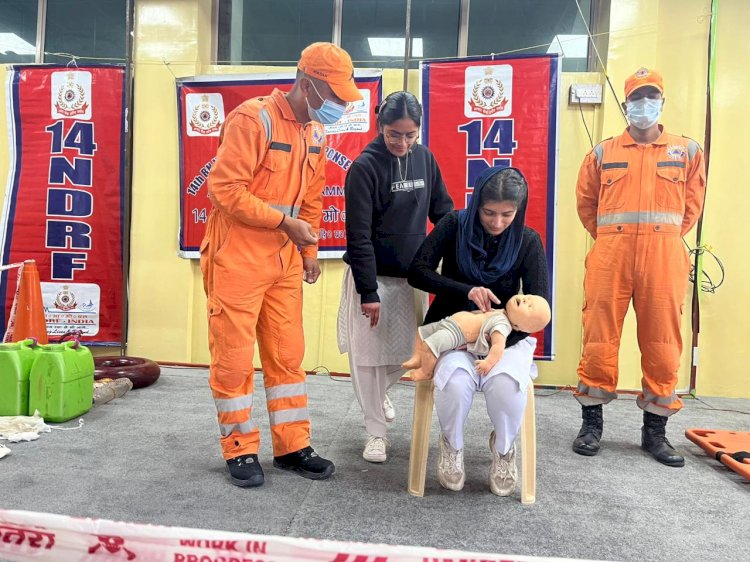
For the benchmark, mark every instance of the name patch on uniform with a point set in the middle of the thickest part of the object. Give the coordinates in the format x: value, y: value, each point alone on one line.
x: 408, y: 185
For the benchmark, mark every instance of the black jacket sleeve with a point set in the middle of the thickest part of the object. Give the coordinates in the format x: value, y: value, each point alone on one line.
x: 534, y: 275
x: 534, y: 272
x: 440, y: 201
x: 358, y: 192
x: 423, y: 270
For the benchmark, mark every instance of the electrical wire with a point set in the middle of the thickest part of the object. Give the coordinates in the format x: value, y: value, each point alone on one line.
x: 707, y: 284
x: 591, y: 37
x: 580, y: 108
x: 556, y: 391
x: 601, y: 62
x: 712, y: 408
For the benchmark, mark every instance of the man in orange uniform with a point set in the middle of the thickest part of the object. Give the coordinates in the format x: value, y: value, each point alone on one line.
x: 638, y: 194
x: 266, y: 187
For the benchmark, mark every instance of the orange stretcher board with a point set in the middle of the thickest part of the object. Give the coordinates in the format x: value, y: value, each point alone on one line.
x: 731, y: 448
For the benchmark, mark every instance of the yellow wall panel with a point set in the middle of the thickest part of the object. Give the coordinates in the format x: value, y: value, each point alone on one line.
x: 170, y: 38
x: 571, y: 240
x: 725, y: 323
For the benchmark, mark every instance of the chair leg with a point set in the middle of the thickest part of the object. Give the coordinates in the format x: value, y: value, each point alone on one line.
x: 420, y: 436
x: 528, y: 450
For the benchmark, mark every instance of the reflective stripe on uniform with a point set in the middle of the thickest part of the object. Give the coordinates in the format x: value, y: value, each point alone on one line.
x: 242, y: 428
x: 285, y: 391
x: 595, y: 392
x: 693, y: 147
x: 655, y: 407
x: 234, y: 404
x: 291, y: 210
x: 265, y: 118
x: 639, y: 217
x: 661, y: 400
x: 287, y: 416
x: 599, y: 152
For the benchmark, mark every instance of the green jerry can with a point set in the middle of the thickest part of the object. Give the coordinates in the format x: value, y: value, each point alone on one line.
x: 61, y: 384
x: 16, y: 360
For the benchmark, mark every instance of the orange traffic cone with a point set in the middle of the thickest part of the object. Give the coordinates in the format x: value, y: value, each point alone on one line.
x: 29, y: 321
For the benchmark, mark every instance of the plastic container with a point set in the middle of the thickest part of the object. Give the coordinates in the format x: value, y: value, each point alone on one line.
x: 61, y: 383
x: 16, y: 360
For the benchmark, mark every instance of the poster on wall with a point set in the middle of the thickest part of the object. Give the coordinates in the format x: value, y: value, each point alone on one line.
x: 497, y: 111
x: 203, y: 103
x: 65, y: 194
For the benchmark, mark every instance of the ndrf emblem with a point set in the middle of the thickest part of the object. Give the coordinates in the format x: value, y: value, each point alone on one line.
x: 488, y: 91
x: 71, y: 94
x: 676, y: 152
x: 205, y: 114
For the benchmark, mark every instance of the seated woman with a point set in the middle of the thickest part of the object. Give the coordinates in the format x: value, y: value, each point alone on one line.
x: 487, y: 255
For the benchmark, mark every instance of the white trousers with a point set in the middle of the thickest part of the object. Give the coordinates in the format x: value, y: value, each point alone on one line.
x: 504, y: 390
x: 370, y: 385
x: 376, y: 354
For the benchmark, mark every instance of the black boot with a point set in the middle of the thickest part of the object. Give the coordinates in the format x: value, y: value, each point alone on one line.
x: 245, y: 471
x: 307, y: 463
x: 654, y: 440
x: 587, y: 442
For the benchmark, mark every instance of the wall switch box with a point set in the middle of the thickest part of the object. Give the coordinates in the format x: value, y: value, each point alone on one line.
x: 586, y: 93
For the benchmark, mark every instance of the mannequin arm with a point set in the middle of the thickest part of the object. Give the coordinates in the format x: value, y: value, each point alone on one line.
x: 497, y: 347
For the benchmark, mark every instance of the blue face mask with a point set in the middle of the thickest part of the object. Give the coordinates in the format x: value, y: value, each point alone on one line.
x: 328, y: 113
x: 643, y: 113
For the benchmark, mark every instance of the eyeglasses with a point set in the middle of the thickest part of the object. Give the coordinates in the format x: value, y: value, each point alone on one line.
x: 396, y: 137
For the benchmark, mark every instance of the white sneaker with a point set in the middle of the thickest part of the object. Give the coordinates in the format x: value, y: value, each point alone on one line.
x: 503, y: 472
x: 388, y: 410
x: 451, y: 466
x: 375, y: 449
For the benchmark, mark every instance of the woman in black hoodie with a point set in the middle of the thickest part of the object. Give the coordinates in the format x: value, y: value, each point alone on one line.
x: 391, y: 190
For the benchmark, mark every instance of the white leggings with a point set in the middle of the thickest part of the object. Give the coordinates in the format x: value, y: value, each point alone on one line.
x: 370, y: 384
x: 506, y: 403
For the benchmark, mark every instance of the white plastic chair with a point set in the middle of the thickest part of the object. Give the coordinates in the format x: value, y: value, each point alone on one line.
x: 420, y: 442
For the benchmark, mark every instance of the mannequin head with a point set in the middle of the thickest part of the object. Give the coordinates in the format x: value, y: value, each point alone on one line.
x: 528, y: 313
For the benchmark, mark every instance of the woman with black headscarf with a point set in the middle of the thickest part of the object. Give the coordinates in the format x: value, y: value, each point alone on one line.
x: 488, y: 255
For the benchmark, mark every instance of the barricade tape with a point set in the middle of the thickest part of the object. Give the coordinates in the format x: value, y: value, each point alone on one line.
x: 44, y: 537
x: 10, y: 266
x: 10, y: 327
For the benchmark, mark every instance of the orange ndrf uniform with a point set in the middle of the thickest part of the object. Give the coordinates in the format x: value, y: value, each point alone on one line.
x: 267, y: 166
x: 637, y: 201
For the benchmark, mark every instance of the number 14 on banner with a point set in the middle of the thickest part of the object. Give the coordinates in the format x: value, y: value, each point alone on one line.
x: 199, y: 215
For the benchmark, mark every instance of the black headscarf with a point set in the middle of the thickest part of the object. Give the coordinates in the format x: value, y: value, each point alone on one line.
x: 473, y: 260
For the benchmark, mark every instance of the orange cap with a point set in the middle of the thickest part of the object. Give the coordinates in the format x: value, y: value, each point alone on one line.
x: 644, y: 77
x: 333, y: 65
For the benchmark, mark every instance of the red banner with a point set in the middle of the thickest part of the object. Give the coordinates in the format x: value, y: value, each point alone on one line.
x: 497, y: 111
x: 64, y: 203
x: 202, y: 106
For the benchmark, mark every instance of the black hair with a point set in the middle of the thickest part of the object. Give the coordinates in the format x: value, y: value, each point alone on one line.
x: 507, y: 185
x: 399, y: 105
